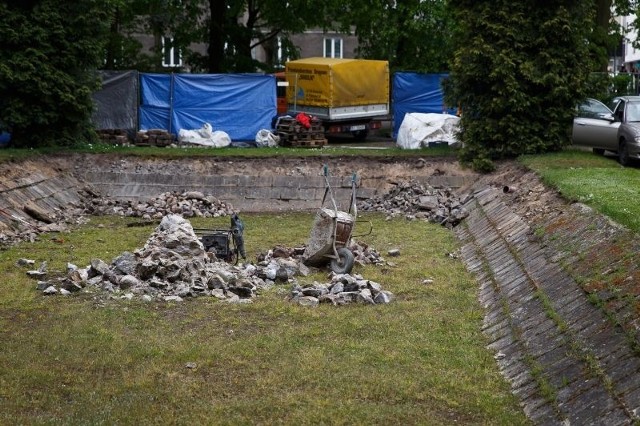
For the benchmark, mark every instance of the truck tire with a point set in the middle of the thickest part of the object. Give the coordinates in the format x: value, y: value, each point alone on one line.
x: 344, y: 263
x: 360, y: 135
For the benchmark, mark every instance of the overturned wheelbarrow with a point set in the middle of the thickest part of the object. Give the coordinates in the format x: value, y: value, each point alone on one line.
x: 331, y: 233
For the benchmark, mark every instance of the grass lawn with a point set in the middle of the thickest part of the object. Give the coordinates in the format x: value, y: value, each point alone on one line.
x: 84, y: 360
x: 597, y: 181
x: 344, y: 150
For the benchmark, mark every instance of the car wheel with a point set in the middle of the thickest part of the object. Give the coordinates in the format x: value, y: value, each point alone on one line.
x: 598, y: 151
x: 623, y: 154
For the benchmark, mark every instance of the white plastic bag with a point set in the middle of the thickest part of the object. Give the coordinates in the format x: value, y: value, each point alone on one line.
x: 204, y: 136
x: 265, y: 138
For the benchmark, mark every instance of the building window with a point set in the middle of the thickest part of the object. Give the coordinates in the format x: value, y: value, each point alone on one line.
x: 171, y: 56
x: 333, y: 48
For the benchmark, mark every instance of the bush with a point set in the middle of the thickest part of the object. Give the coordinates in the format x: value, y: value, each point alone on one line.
x: 50, y: 52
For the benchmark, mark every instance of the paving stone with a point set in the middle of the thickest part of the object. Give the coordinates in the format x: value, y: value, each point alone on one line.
x: 625, y: 374
x: 500, y: 330
x: 592, y: 404
x: 540, y: 345
x: 606, y: 341
x: 545, y: 328
x: 544, y: 414
x: 502, y: 342
x: 632, y: 400
x: 494, y: 234
x: 527, y: 390
x: 616, y: 416
x: 562, y: 371
x: 558, y: 286
x: 537, y: 409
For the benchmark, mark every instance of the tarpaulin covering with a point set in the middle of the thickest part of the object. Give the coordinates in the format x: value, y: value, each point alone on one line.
x: 238, y: 104
x: 330, y: 82
x: 417, y: 92
x: 116, y: 103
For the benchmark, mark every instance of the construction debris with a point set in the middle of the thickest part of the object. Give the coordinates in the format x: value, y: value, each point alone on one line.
x: 174, y: 265
x: 188, y: 204
x: 343, y: 289
x: 414, y: 200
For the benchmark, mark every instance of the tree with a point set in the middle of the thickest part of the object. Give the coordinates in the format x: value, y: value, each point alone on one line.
x: 411, y: 34
x: 50, y: 52
x: 518, y: 70
x: 231, y: 29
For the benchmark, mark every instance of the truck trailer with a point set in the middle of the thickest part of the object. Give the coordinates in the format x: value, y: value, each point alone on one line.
x: 347, y: 95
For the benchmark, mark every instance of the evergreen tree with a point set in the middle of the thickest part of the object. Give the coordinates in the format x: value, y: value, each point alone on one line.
x: 49, y: 51
x: 518, y: 72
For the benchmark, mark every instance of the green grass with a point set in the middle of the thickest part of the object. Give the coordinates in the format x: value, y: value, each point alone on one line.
x: 419, y: 360
x: 10, y: 154
x: 597, y: 181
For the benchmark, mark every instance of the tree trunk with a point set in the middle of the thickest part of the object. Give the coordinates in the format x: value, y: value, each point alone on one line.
x: 217, y: 9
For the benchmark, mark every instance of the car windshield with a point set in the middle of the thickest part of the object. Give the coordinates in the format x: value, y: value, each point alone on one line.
x: 633, y: 111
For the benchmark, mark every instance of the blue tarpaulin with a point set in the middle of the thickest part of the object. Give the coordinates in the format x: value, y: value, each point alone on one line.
x: 238, y: 104
x: 416, y: 92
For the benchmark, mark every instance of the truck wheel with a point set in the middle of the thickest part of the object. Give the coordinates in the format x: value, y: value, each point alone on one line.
x: 360, y: 135
x: 344, y: 263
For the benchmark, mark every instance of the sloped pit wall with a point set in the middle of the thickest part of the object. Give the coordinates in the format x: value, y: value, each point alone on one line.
x: 53, y: 185
x: 262, y: 185
x: 42, y: 188
x: 565, y: 360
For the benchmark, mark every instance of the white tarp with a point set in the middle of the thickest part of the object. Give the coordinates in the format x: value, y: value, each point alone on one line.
x: 204, y: 136
x: 417, y: 130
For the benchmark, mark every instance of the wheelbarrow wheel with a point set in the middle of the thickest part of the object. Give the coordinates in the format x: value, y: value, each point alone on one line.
x: 344, y: 263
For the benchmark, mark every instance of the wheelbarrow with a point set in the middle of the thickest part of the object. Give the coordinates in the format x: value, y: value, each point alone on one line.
x: 331, y: 232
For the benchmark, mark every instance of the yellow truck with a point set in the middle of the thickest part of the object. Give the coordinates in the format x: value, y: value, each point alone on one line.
x: 347, y: 95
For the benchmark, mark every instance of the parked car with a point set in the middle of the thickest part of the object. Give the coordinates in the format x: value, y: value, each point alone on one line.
x: 603, y: 129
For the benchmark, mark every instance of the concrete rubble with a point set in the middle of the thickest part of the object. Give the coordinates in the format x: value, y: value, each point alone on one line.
x: 187, y: 204
x: 414, y: 200
x: 173, y: 265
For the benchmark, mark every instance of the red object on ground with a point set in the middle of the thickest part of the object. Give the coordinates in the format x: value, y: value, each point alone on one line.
x: 304, y: 119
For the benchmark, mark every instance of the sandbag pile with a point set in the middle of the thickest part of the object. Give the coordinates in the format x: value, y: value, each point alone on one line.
x: 188, y: 204
x: 416, y: 201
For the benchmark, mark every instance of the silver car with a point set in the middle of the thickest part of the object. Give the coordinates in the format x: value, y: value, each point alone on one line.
x: 602, y: 129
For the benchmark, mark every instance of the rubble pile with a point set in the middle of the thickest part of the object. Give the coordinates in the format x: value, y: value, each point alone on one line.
x: 416, y: 201
x: 188, y: 204
x: 174, y: 265
x: 343, y: 289
x: 14, y: 228
x: 362, y: 253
